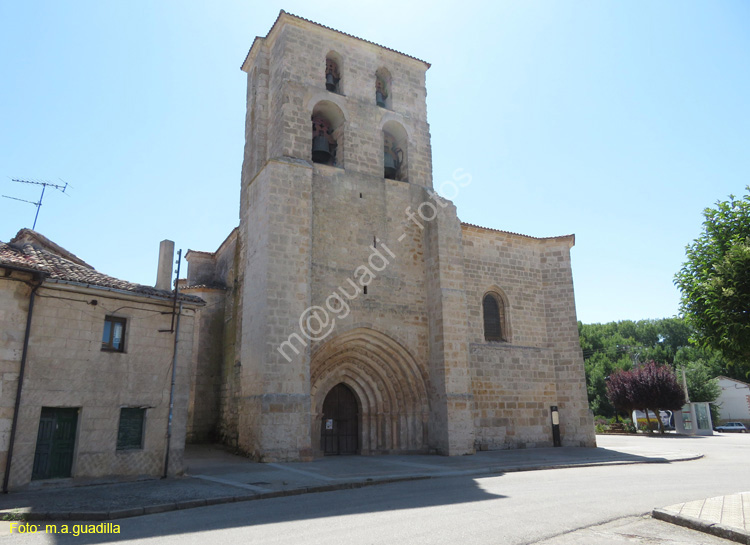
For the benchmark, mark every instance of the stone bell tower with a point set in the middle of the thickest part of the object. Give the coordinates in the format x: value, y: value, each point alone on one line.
x: 351, y: 312
x: 350, y: 268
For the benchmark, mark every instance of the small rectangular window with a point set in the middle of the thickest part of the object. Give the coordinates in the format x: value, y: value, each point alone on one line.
x: 130, y: 432
x: 113, y: 337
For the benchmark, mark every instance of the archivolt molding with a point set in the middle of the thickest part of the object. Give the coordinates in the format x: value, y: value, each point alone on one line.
x: 391, y: 391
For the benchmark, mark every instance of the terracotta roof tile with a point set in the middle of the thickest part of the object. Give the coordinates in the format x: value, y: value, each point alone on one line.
x: 38, y: 239
x: 35, y: 257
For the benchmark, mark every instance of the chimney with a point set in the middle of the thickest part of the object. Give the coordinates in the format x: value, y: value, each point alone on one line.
x: 164, y: 272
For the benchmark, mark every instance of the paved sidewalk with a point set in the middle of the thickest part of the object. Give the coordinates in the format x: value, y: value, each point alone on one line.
x: 215, y: 476
x: 723, y: 516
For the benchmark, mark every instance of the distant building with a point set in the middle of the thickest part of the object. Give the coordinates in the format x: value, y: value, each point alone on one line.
x: 96, y: 366
x: 734, y: 401
x: 352, y: 311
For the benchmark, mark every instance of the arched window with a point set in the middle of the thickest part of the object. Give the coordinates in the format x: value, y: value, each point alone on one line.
x: 395, y: 152
x: 383, y: 88
x: 493, y: 310
x: 333, y: 73
x: 327, y: 129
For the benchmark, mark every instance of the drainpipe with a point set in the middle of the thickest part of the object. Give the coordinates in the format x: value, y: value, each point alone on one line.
x: 171, y: 390
x: 17, y: 405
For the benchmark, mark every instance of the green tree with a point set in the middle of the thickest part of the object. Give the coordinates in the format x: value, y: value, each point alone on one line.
x: 603, y: 353
x: 650, y: 387
x: 702, y: 366
x: 610, y: 347
x: 713, y: 360
x: 715, y: 281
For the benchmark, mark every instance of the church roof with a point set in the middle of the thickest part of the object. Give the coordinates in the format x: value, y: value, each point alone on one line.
x: 283, y: 13
x: 464, y: 224
x: 33, y: 252
x: 225, y: 242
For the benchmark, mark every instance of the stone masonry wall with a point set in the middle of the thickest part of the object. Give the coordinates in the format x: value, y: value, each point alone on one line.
x: 206, y: 366
x: 452, y: 431
x: 291, y: 63
x: 229, y: 261
x: 516, y: 382
x: 215, y: 389
x: 289, y: 67
x: 275, y: 229
x: 576, y: 420
x: 14, y: 306
x: 67, y: 368
x: 396, y: 298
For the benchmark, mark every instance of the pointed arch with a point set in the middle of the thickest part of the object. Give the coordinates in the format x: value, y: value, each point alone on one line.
x: 386, y: 380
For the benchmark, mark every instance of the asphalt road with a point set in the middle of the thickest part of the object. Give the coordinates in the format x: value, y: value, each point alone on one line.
x: 559, y: 506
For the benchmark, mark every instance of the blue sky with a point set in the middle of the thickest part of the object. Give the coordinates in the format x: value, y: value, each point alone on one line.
x: 616, y: 121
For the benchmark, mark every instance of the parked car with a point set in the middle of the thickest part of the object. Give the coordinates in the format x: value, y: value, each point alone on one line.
x: 738, y: 427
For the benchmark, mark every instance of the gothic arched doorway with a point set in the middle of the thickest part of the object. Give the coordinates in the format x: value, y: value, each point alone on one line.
x: 339, y: 433
x: 388, y: 386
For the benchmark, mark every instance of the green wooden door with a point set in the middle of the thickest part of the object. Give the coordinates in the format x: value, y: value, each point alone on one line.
x: 55, y: 443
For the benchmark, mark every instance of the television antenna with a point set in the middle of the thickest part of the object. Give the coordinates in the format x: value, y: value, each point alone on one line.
x: 38, y: 204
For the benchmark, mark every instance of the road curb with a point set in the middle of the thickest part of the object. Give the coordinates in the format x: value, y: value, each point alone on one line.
x: 719, y: 530
x: 98, y: 516
x: 35, y: 516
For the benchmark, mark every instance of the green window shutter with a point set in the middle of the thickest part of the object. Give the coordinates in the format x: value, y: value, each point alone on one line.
x: 130, y: 432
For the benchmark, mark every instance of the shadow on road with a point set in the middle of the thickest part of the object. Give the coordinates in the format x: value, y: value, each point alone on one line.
x: 226, y: 475
x: 406, y: 495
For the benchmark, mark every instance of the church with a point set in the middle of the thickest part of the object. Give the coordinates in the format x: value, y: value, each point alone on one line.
x: 351, y: 311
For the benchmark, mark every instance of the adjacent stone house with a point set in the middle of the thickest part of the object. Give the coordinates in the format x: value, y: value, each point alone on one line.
x: 96, y: 357
x: 351, y: 311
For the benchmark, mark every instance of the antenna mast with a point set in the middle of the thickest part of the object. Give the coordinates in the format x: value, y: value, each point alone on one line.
x: 38, y: 204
